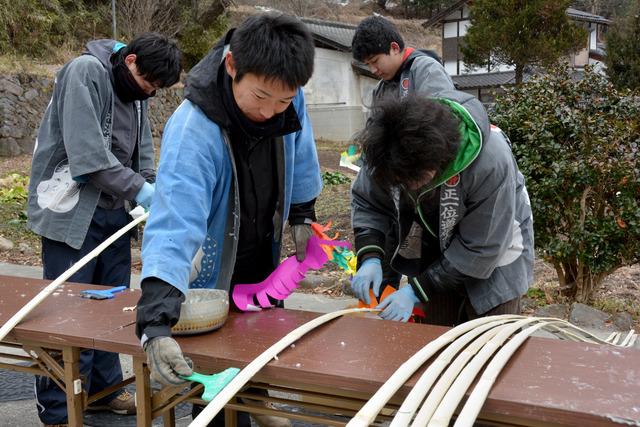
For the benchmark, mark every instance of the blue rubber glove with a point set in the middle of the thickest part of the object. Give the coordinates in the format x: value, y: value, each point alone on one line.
x: 399, y: 305
x: 369, y: 274
x: 145, y: 195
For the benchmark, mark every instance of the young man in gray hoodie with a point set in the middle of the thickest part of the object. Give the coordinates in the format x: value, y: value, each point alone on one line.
x: 93, y: 158
x: 403, y: 70
x: 449, y: 183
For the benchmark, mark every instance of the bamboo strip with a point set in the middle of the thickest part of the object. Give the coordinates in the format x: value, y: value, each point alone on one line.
x: 449, y: 403
x: 589, y: 337
x: 423, y: 385
x: 16, y: 318
x: 563, y: 333
x: 610, y: 337
x: 252, y: 368
x: 560, y: 327
x: 615, y: 339
x: 370, y: 410
x: 563, y: 327
x: 471, y: 409
x: 628, y: 338
x: 448, y: 377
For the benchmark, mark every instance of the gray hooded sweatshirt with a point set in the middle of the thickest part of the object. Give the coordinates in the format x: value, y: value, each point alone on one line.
x: 484, y: 227
x: 81, y: 159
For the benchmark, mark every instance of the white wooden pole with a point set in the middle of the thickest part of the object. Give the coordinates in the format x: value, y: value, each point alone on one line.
x: 213, y: 407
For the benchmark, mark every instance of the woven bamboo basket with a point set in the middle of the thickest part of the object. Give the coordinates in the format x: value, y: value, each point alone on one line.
x: 203, y: 310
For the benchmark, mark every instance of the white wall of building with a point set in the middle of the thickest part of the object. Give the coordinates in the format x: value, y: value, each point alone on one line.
x: 336, y: 96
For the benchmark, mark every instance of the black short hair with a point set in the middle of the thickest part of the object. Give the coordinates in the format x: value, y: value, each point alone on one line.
x: 158, y: 58
x: 275, y: 46
x: 373, y: 36
x: 404, y: 138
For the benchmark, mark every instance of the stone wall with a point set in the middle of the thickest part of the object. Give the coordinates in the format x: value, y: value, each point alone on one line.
x: 162, y: 106
x: 24, y: 98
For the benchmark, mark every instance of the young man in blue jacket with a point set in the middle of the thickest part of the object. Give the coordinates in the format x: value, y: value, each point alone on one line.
x: 238, y: 159
x: 451, y: 185
x: 93, y: 155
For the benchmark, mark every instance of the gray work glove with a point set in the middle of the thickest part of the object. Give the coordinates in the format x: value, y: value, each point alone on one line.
x: 166, y: 361
x: 301, y: 234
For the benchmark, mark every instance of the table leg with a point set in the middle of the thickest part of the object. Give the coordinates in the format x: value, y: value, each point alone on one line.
x: 231, y: 416
x: 169, y: 418
x: 73, y: 385
x: 143, y: 393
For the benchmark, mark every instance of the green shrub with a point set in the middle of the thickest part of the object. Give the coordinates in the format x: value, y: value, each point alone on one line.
x: 14, y: 188
x: 195, y: 40
x: 576, y: 142
x: 39, y: 29
x: 623, y: 55
x: 335, y: 178
x: 538, y: 296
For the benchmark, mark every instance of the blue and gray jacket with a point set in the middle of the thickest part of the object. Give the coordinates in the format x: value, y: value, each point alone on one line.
x: 190, y: 240
x: 74, y: 162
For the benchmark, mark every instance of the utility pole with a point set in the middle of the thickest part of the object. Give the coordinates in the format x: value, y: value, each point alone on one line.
x: 113, y: 19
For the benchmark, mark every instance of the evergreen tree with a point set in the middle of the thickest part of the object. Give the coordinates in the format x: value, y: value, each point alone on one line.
x: 623, y: 52
x: 606, y: 8
x: 520, y: 33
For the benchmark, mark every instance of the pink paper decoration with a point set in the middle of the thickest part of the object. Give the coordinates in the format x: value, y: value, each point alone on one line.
x: 285, y: 278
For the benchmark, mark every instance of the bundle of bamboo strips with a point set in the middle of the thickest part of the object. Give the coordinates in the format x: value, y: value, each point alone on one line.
x: 474, y: 343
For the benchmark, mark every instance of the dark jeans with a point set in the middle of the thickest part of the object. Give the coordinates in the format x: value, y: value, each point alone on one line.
x: 99, y: 369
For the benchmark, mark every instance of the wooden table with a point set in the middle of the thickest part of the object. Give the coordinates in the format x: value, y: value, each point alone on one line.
x: 54, y: 333
x: 334, y: 369
x: 339, y: 366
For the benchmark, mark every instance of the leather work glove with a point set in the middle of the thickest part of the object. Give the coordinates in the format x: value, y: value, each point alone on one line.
x: 145, y: 195
x: 369, y: 274
x: 301, y: 234
x: 399, y: 305
x: 166, y: 361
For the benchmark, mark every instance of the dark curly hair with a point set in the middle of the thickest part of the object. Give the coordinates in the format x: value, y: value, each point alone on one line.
x: 373, y: 36
x: 406, y: 138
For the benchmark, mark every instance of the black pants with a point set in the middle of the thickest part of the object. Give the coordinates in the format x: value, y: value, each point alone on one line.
x: 218, y: 421
x: 452, y: 309
x: 100, y: 369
